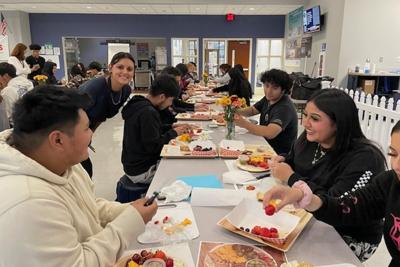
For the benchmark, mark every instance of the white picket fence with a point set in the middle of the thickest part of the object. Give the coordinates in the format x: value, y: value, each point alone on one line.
x: 377, y: 116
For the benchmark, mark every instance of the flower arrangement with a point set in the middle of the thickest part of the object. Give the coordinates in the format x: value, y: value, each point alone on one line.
x: 231, y: 104
x: 41, y: 79
x: 205, y: 78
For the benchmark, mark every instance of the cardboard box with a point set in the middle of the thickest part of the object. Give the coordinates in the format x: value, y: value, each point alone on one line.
x: 368, y: 86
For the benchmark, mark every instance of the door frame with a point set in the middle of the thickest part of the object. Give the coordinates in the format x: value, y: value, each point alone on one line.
x: 226, y: 55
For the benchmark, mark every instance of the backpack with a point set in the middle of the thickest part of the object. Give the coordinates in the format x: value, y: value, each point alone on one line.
x: 304, y: 86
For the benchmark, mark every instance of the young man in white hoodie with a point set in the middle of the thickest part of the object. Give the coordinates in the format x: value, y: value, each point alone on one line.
x: 49, y: 215
x: 14, y: 87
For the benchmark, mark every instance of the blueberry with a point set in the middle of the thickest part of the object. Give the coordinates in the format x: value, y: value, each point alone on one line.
x: 247, y: 230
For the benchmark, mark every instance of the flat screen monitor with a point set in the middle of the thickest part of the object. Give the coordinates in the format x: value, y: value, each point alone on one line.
x: 312, y: 20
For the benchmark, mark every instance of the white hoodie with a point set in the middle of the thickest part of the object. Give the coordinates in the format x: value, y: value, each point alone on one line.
x: 14, y: 90
x: 50, y: 220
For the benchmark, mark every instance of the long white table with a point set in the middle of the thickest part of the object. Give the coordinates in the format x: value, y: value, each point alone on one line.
x: 319, y: 243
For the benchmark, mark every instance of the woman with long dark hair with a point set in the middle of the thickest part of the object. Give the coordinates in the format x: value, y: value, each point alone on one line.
x: 334, y: 157
x: 362, y: 206
x: 238, y: 85
x: 109, y: 93
x: 48, y: 70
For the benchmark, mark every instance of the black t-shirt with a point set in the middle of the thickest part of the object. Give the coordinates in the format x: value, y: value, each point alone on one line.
x: 284, y: 114
x: 34, y: 61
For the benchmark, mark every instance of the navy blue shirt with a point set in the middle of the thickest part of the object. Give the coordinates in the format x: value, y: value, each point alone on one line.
x: 284, y: 114
x: 106, y: 103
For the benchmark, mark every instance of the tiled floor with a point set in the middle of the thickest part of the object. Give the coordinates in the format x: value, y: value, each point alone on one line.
x: 107, y: 166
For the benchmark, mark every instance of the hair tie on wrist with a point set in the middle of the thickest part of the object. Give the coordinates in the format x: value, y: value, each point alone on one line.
x: 307, y: 195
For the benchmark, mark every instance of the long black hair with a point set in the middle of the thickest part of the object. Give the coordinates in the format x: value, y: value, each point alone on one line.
x: 342, y: 110
x: 239, y: 85
x: 396, y: 128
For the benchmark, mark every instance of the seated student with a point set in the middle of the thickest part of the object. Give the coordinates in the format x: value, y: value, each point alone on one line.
x: 49, y: 70
x: 238, y: 85
x: 77, y: 77
x: 192, y: 74
x: 14, y: 87
x: 334, y: 157
x: 49, y: 213
x: 4, y: 122
x: 178, y: 105
x: 278, y: 120
x: 362, y: 206
x: 94, y: 70
x: 224, y: 78
x: 145, y: 135
x: 108, y: 93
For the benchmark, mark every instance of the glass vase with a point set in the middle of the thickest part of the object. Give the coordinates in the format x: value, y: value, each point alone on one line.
x: 230, y: 123
x: 230, y: 130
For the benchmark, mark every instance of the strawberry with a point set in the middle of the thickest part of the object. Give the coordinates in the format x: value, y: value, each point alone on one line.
x: 273, y: 230
x: 263, y: 164
x: 250, y: 187
x: 169, y: 262
x: 256, y: 230
x: 160, y: 254
x: 264, y: 232
x: 270, y: 210
x: 156, y: 222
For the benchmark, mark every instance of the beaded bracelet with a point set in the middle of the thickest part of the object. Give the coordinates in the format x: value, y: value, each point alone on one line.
x: 307, y: 195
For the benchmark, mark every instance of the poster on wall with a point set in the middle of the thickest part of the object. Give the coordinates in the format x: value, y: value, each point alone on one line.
x: 306, y: 44
x: 295, y: 23
x: 142, y: 50
x: 293, y: 47
x: 4, y: 50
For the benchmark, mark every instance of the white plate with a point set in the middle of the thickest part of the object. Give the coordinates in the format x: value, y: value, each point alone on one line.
x: 250, y: 213
x: 179, y: 252
x: 232, y: 145
x: 154, y: 234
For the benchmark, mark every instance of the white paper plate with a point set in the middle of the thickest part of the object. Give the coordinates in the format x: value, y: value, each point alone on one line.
x: 250, y: 213
x: 154, y: 234
x: 232, y: 145
x: 179, y: 252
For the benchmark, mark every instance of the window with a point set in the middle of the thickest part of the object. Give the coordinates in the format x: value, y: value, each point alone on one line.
x: 214, y: 56
x: 269, y: 56
x: 185, y: 50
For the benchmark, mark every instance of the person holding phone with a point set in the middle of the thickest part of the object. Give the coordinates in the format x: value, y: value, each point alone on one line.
x: 35, y: 61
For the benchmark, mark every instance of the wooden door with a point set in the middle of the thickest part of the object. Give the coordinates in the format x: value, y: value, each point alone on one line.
x: 239, y: 53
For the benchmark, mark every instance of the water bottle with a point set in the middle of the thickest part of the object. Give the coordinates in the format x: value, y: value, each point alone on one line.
x: 367, y: 66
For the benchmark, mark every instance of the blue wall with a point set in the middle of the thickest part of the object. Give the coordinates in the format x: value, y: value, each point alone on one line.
x: 50, y: 28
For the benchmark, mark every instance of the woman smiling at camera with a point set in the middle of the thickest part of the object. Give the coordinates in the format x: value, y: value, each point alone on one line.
x: 335, y: 158
x: 109, y: 93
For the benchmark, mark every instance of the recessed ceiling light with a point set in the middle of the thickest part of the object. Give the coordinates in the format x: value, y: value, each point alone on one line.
x: 89, y: 7
x: 252, y: 8
x: 143, y: 8
x: 197, y: 8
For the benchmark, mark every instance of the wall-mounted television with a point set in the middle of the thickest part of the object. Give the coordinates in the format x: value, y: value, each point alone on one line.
x: 312, y: 20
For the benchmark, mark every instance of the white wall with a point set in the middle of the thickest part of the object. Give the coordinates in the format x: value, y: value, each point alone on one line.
x: 330, y: 34
x: 18, y: 28
x: 371, y: 30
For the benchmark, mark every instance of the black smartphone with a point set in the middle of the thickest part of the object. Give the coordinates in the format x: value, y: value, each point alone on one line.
x: 151, y: 199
